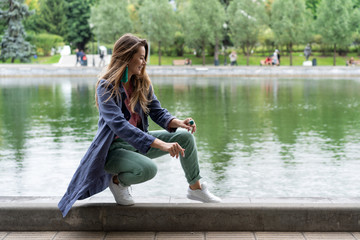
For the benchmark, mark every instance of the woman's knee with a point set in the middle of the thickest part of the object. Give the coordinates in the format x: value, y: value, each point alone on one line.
x: 185, y: 137
x: 149, y: 170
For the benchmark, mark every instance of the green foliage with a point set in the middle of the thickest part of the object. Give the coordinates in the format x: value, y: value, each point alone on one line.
x: 13, y: 43
x: 290, y: 23
x: 52, y: 17
x: 356, y: 3
x: 334, y: 23
x: 2, y: 21
x: 158, y: 22
x: 179, y: 43
x: 246, y: 21
x: 312, y: 5
x: 30, y: 22
x: 204, y: 21
x: 78, y: 29
x: 44, y: 42
x: 111, y: 19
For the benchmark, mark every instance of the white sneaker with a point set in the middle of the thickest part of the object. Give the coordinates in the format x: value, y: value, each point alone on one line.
x: 121, y: 194
x: 203, y: 195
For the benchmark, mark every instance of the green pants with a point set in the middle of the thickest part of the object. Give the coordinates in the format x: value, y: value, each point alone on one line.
x: 133, y: 167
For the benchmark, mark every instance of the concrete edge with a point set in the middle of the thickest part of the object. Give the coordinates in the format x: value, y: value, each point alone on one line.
x: 322, y: 217
x: 36, y: 71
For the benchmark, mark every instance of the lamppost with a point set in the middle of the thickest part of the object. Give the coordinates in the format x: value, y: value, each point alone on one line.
x: 92, y: 44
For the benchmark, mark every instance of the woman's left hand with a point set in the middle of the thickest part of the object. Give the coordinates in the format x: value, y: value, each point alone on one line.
x: 175, y: 123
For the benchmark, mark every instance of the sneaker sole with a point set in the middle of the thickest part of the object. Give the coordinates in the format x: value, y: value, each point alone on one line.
x: 199, y: 199
x: 125, y: 204
x: 195, y: 198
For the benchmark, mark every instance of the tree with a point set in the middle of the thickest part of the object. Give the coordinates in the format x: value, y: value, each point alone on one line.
x: 158, y: 22
x: 105, y: 14
x: 246, y: 18
x: 52, y: 17
x: 2, y: 21
x: 13, y: 44
x: 78, y: 29
x: 356, y: 3
x: 312, y: 6
x: 290, y: 22
x: 30, y: 22
x: 334, y: 23
x: 204, y: 21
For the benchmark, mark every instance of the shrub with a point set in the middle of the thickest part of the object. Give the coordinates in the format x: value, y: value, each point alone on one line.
x: 44, y: 42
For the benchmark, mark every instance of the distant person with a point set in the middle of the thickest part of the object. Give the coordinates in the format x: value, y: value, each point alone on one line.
x: 122, y: 151
x: 102, y: 61
x: 233, y: 58
x: 83, y: 58
x: 267, y: 61
x: 78, y: 57
x: 275, y: 58
x: 188, y: 61
x: 352, y: 62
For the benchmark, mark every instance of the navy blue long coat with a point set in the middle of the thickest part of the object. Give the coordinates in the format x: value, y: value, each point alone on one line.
x: 90, y: 177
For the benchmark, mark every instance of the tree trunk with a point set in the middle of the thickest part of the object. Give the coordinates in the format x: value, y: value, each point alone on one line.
x: 290, y: 50
x: 159, y: 53
x: 335, y: 54
x: 203, y: 53
x: 12, y: 60
x: 247, y: 54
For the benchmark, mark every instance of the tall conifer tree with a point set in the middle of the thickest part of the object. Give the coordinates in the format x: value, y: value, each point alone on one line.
x: 13, y: 44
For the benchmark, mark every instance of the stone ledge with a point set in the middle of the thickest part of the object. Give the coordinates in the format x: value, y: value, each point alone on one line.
x: 33, y: 70
x: 89, y: 216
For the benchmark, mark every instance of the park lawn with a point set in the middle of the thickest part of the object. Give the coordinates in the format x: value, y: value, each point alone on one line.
x: 47, y: 59
x: 40, y: 60
x: 253, y: 60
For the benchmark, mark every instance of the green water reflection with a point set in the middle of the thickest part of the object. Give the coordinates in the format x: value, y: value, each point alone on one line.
x: 250, y: 131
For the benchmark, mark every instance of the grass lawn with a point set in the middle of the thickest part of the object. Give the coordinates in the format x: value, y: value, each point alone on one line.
x: 209, y: 60
x: 40, y: 60
x: 253, y: 60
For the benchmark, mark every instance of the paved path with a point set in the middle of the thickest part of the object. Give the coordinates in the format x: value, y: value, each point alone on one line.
x: 180, y: 235
x: 92, y: 60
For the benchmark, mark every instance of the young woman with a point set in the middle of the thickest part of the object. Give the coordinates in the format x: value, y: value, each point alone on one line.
x: 121, y: 152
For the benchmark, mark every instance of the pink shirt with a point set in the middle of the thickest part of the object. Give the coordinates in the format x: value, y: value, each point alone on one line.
x: 135, y: 118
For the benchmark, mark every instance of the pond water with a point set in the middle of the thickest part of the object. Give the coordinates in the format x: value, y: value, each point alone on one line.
x: 255, y: 137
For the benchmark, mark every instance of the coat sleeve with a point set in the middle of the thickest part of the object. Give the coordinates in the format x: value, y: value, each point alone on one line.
x: 114, y: 118
x: 160, y: 115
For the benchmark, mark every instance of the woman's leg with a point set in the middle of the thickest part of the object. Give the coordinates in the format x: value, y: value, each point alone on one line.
x: 189, y: 162
x: 130, y: 167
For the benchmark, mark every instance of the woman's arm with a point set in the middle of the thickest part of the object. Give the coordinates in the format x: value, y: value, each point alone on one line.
x: 175, y: 123
x: 173, y: 148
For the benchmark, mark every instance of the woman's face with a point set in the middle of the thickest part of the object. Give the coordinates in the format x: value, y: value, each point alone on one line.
x: 137, y: 62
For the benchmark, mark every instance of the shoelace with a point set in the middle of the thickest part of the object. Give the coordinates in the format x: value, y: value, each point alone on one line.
x: 129, y: 191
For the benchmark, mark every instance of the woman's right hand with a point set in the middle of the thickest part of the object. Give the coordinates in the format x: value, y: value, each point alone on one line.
x: 173, y: 148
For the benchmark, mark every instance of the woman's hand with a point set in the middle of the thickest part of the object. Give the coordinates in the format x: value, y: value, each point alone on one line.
x: 173, y: 148
x: 175, y: 123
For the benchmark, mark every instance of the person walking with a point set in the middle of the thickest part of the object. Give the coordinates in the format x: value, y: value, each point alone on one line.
x: 77, y: 52
x: 102, y: 61
x: 121, y: 151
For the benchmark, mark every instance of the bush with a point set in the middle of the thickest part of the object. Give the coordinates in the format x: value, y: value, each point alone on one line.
x: 44, y: 42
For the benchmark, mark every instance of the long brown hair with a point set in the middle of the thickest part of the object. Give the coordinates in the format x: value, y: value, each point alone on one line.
x: 124, y: 49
